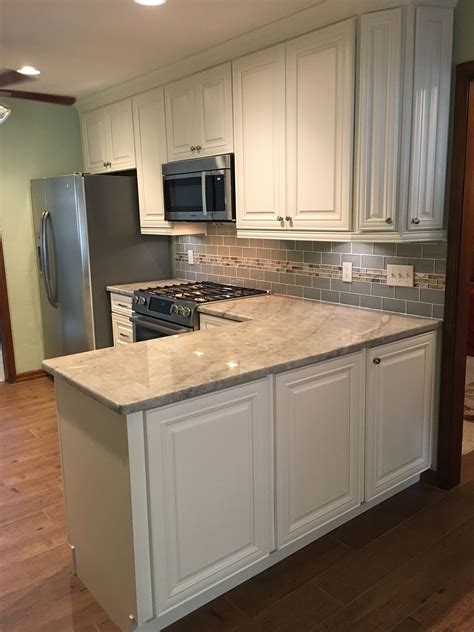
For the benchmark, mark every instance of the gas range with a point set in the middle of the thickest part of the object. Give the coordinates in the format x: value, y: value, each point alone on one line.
x: 172, y: 309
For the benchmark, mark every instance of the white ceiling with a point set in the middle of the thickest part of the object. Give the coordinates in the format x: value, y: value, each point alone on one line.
x: 83, y: 46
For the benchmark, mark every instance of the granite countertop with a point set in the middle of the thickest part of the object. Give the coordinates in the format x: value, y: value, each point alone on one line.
x: 127, y: 289
x: 278, y: 333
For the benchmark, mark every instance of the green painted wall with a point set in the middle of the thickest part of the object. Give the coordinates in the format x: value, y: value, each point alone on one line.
x: 463, y: 48
x: 37, y: 140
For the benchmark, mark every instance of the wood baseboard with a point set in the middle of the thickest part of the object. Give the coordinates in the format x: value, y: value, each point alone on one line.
x: 30, y: 375
x: 430, y: 477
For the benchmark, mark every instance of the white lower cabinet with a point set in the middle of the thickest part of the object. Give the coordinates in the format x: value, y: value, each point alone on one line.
x: 319, y: 445
x: 400, y: 393
x: 210, y: 489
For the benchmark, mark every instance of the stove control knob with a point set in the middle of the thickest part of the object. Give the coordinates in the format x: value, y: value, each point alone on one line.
x: 135, y: 299
x: 181, y: 310
x: 141, y: 300
x: 186, y: 311
x: 174, y: 309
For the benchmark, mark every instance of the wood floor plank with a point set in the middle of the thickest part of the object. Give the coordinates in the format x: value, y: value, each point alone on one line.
x: 219, y: 615
x: 265, y: 589
x: 399, y: 594
x: 389, y: 514
x: 363, y: 568
x: 409, y: 625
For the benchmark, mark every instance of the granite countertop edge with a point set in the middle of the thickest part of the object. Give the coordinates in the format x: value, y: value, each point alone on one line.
x: 197, y: 390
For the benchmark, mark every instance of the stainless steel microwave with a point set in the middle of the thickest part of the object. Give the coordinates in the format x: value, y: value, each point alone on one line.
x: 200, y: 189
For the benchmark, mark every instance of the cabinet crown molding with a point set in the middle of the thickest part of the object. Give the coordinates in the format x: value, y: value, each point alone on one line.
x: 310, y: 19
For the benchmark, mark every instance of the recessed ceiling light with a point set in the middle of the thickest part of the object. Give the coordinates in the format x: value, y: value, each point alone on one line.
x: 28, y: 70
x: 150, y: 3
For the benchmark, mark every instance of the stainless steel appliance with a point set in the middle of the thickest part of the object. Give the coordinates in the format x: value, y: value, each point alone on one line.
x: 172, y: 309
x: 200, y: 190
x: 88, y: 236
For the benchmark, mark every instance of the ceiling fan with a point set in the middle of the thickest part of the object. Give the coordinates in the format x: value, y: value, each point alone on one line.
x: 9, y: 77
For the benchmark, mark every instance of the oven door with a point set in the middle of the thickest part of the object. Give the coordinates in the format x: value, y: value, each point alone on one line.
x: 150, y: 328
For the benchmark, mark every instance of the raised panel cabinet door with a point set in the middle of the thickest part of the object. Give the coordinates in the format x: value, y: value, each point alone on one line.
x: 214, y: 120
x: 259, y: 136
x: 400, y: 410
x: 122, y: 330
x: 150, y: 145
x: 320, y: 117
x: 210, y: 476
x: 379, y: 120
x: 430, y: 122
x: 122, y: 142
x: 319, y: 445
x: 94, y: 141
x: 181, y: 132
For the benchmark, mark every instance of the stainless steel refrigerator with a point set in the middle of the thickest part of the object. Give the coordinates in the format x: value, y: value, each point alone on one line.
x: 88, y: 236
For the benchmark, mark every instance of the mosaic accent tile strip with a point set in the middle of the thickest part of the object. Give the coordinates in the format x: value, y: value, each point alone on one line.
x: 313, y: 270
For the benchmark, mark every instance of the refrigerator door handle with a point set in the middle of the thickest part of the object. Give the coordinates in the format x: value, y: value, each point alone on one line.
x: 45, y: 260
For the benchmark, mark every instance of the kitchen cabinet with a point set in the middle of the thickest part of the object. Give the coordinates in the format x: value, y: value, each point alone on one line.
x: 207, y: 321
x: 210, y: 490
x: 379, y: 121
x: 107, y: 138
x: 319, y: 123
x: 121, y: 310
x: 199, y: 118
x: 430, y: 119
x: 150, y: 147
x: 400, y: 409
x: 259, y: 124
x: 319, y: 445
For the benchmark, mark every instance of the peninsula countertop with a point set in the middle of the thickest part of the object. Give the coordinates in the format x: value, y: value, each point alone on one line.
x: 276, y: 333
x: 127, y: 289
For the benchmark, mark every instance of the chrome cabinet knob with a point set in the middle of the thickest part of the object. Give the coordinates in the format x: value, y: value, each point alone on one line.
x: 192, y: 148
x: 377, y: 360
x: 198, y: 147
x: 105, y: 164
x: 415, y: 220
x: 280, y: 218
x: 288, y: 218
x: 389, y: 220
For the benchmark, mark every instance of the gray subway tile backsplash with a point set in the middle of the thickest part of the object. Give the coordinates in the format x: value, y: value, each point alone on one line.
x: 313, y: 270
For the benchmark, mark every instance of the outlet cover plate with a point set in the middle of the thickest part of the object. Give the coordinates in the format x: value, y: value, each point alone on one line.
x: 347, y: 272
x: 191, y: 257
x: 400, y: 275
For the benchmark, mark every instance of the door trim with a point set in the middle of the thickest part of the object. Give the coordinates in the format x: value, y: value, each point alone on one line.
x: 5, y: 324
x: 456, y: 316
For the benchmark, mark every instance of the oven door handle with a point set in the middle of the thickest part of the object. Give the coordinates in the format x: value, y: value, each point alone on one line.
x: 168, y: 331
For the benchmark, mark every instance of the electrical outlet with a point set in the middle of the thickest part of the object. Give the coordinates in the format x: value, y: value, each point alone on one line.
x: 191, y: 257
x: 400, y: 275
x: 347, y: 271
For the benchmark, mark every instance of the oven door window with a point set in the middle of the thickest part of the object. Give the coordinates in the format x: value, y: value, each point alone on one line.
x: 183, y: 194
x: 150, y: 328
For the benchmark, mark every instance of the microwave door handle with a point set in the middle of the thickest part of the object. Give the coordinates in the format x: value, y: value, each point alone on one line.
x: 203, y: 193
x: 168, y: 331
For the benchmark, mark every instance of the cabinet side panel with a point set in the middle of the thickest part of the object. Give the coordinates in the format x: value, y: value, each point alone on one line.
x: 97, y: 491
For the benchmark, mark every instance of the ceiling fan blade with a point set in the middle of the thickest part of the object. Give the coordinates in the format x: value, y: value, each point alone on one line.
x: 9, y: 76
x: 38, y: 96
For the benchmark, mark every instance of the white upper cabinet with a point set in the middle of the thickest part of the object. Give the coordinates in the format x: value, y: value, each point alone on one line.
x: 122, y: 144
x: 150, y: 146
x: 94, y: 141
x: 319, y: 445
x: 259, y: 124
x: 400, y: 409
x: 379, y: 121
x: 107, y: 138
x: 430, y: 118
x: 319, y: 120
x: 199, y: 114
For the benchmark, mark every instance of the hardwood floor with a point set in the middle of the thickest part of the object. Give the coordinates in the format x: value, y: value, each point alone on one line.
x: 405, y: 566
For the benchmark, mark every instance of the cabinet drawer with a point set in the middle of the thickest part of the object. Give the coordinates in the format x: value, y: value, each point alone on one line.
x: 121, y: 304
x: 122, y: 330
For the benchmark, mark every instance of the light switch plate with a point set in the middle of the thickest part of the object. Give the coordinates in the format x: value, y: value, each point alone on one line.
x: 347, y: 271
x: 400, y: 275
